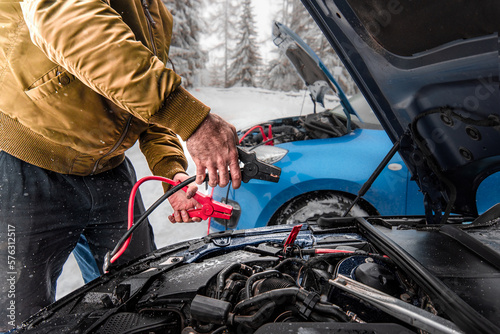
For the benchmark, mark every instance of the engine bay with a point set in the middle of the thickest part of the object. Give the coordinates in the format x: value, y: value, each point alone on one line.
x: 320, y: 125
x: 257, y: 281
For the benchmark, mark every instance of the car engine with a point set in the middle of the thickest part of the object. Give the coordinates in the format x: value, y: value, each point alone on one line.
x: 313, y: 126
x: 270, y: 283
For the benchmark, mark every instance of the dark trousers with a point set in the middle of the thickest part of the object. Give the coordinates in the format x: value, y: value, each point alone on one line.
x: 43, y: 214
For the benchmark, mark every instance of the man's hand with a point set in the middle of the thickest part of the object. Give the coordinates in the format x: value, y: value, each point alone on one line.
x: 182, y: 201
x: 213, y: 148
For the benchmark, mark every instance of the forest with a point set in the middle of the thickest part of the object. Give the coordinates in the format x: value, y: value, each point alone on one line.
x: 233, y: 58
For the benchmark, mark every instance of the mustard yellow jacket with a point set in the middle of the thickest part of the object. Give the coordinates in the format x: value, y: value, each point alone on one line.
x: 82, y: 80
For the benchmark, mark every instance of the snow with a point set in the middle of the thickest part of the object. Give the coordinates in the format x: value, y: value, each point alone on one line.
x: 241, y: 107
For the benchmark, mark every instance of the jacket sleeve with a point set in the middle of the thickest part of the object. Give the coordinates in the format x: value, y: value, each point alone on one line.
x: 90, y: 40
x: 163, y: 151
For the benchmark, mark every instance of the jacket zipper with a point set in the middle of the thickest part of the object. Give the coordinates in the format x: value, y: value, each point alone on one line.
x: 151, y: 24
x: 115, y: 147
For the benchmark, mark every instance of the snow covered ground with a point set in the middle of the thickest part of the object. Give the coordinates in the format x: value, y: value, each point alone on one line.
x: 241, y: 107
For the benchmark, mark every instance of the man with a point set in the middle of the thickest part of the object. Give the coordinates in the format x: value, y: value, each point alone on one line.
x: 80, y: 82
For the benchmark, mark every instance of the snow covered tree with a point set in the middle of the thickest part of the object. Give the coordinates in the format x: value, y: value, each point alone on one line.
x: 333, y: 63
x: 215, y: 76
x: 223, y: 16
x: 185, y: 53
x: 281, y: 75
x: 246, y: 57
x: 296, y: 17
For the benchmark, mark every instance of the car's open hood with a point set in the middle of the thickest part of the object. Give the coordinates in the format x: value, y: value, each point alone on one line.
x: 430, y: 71
x: 311, y: 69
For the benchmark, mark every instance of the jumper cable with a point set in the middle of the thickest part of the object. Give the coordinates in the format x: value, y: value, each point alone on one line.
x: 267, y: 139
x: 210, y: 208
x: 252, y: 169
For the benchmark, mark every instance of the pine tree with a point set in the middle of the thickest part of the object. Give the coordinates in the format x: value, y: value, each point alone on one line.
x: 246, y: 57
x: 223, y: 22
x: 216, y: 77
x: 185, y: 52
x: 295, y: 16
x: 280, y: 77
x: 281, y: 74
x: 318, y: 42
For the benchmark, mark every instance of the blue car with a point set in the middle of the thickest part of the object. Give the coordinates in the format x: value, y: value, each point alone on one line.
x: 325, y: 158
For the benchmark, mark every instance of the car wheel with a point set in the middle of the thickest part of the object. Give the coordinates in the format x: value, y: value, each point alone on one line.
x: 315, y: 204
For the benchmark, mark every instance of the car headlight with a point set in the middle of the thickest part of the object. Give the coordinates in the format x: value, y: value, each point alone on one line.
x: 269, y: 154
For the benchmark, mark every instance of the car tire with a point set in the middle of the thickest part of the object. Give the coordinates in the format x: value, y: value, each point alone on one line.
x: 315, y: 204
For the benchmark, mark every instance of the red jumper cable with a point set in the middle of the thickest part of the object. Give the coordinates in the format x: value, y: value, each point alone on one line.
x: 210, y: 208
x: 264, y: 137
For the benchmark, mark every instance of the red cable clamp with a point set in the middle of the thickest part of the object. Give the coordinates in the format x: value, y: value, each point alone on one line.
x: 210, y: 208
x: 291, y: 237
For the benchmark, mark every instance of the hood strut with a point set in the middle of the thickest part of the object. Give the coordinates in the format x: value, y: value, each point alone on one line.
x: 366, y: 186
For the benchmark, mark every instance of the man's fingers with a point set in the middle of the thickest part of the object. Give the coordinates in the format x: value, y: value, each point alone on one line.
x: 185, y: 217
x: 213, y: 178
x: 235, y: 174
x: 217, y: 176
x: 191, y: 191
x: 200, y: 174
x: 182, y: 202
x: 177, y: 216
x: 182, y: 216
x: 223, y: 176
x: 213, y: 145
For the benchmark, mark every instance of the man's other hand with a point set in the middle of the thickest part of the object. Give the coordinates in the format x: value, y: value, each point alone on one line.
x: 213, y: 148
x: 182, y: 201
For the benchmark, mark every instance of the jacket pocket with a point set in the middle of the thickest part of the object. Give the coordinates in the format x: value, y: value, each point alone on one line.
x: 69, y: 113
x: 51, y: 83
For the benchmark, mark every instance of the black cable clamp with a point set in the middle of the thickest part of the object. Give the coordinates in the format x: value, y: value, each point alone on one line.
x: 256, y: 169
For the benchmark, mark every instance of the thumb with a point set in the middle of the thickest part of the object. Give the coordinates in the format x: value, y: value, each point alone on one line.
x: 191, y: 191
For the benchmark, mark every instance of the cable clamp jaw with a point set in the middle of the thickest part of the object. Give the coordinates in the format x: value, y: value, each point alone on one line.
x: 256, y: 169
